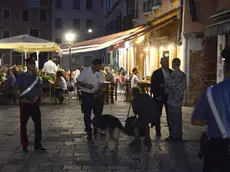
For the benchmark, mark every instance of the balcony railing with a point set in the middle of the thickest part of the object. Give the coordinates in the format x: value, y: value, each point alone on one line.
x: 34, y: 3
x: 147, y: 6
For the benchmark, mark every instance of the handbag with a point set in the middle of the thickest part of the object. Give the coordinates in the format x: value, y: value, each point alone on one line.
x: 129, y: 130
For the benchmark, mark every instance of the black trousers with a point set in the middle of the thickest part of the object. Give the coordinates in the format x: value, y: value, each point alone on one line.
x: 89, y: 104
x: 33, y: 111
x: 216, y: 156
x: 160, y: 107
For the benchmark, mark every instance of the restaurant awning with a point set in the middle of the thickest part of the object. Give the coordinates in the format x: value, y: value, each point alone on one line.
x: 102, y: 42
x: 113, y: 39
x: 221, y: 26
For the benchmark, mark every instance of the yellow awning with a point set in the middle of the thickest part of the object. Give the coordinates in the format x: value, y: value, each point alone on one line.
x: 27, y: 43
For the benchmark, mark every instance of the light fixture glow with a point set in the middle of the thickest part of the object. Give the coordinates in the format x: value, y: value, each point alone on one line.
x: 161, y: 47
x: 127, y: 44
x: 140, y: 39
x: 170, y: 46
x: 70, y: 37
x: 146, y: 49
x: 90, y: 30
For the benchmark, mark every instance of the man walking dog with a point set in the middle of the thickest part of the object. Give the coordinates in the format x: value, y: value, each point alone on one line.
x: 91, y: 81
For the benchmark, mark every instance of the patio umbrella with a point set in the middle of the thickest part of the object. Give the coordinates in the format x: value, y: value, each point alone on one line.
x: 28, y: 44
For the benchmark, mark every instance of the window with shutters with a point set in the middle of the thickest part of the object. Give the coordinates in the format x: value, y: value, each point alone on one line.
x: 89, y: 23
x: 76, y: 4
x: 25, y: 15
x: 76, y: 24
x: 89, y: 4
x: 43, y: 16
x: 6, y: 14
x: 5, y: 33
x: 35, y: 32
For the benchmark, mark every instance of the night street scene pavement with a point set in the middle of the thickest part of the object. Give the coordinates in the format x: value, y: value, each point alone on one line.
x: 69, y: 150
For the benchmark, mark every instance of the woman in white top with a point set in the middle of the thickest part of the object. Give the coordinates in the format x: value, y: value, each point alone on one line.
x: 135, y: 79
x: 60, y: 86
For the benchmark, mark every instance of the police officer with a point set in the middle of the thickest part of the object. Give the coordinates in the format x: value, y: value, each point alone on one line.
x: 213, y: 103
x: 27, y: 92
x: 91, y: 81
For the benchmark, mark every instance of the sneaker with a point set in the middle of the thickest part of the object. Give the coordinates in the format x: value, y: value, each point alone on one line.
x: 25, y: 149
x: 135, y: 142
x: 147, y: 143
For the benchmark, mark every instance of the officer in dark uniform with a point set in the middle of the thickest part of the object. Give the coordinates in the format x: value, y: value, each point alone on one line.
x: 27, y: 91
x: 214, y: 103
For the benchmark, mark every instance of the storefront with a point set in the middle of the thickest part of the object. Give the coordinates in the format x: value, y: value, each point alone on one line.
x: 221, y: 30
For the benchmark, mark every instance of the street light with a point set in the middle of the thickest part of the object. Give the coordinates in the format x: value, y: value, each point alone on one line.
x: 90, y: 30
x: 70, y: 37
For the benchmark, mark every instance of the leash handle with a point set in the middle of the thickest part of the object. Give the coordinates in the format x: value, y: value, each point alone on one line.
x: 129, y: 109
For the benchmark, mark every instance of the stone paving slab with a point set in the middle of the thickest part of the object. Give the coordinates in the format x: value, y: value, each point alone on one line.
x: 69, y: 151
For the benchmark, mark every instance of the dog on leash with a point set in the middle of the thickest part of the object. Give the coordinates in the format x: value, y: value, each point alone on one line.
x: 112, y: 127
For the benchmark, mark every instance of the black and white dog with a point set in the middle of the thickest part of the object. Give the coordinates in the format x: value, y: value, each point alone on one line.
x: 112, y: 127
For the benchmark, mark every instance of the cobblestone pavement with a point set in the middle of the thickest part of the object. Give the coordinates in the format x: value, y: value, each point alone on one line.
x: 69, y: 151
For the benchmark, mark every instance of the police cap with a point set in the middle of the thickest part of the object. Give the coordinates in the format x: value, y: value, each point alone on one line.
x: 30, y: 60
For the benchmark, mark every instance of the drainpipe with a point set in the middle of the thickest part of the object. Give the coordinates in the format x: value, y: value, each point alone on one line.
x: 179, y: 39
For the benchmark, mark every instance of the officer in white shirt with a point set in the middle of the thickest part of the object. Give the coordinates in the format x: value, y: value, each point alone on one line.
x: 50, y: 67
x: 91, y: 81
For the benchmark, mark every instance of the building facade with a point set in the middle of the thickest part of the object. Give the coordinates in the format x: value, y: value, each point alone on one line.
x: 32, y: 17
x: 118, y: 15
x: 82, y: 17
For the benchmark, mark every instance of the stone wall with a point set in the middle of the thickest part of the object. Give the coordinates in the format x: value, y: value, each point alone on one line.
x: 203, y: 66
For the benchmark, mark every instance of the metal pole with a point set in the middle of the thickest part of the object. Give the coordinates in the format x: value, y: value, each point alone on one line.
x: 70, y: 62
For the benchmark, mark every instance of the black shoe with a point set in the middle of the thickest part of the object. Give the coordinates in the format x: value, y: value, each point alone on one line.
x: 135, y: 142
x: 147, y: 143
x: 41, y: 148
x: 173, y: 139
x: 89, y: 137
x: 25, y: 149
x: 158, y: 134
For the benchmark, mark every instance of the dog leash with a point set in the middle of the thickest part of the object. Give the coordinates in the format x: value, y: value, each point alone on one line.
x: 129, y: 109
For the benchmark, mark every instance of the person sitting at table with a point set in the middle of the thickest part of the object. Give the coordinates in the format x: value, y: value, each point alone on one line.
x: 60, y: 86
x: 109, y: 76
x: 7, y: 88
x: 135, y: 79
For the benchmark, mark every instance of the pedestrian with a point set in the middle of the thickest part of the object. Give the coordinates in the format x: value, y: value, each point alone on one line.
x: 176, y: 83
x: 213, y: 110
x: 91, y: 82
x: 158, y: 91
x: 144, y: 108
x: 27, y: 85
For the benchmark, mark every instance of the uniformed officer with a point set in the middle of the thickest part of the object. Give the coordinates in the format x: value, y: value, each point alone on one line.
x: 91, y: 81
x: 214, y: 103
x: 27, y: 91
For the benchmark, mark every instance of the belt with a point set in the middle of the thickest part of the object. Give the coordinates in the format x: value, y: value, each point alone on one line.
x: 87, y: 93
x: 26, y: 98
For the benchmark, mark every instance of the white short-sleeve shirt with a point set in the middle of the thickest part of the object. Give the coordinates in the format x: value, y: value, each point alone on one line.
x: 134, y: 81
x: 88, y: 77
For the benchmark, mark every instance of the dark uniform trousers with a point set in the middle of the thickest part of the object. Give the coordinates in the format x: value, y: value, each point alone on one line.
x: 160, y: 108
x: 89, y: 104
x: 33, y: 111
x: 217, y: 156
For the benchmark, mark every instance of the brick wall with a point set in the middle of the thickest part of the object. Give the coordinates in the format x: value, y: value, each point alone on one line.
x: 203, y: 66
